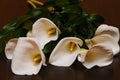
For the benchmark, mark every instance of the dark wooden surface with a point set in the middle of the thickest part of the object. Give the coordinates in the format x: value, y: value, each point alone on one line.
x: 74, y: 72
x: 109, y: 9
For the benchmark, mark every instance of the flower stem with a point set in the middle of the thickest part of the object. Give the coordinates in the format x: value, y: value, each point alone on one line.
x: 32, y: 4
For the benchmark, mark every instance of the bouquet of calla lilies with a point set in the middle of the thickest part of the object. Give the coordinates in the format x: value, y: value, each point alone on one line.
x: 63, y: 38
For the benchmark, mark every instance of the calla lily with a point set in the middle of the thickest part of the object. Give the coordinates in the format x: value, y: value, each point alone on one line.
x: 110, y: 30
x: 27, y: 56
x: 102, y: 47
x: 106, y: 40
x: 45, y: 30
x: 98, y: 55
x: 65, y: 52
x: 10, y: 47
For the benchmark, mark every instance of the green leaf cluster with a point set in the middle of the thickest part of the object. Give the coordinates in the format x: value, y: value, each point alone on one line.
x: 70, y: 18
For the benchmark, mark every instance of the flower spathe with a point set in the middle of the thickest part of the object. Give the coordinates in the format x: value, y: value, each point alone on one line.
x: 98, y: 55
x: 66, y: 51
x: 107, y: 35
x: 102, y: 47
x: 45, y: 30
x: 10, y: 47
x: 105, y: 40
x: 27, y: 57
x: 110, y: 30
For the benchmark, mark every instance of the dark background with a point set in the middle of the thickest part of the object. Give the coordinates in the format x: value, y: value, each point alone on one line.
x: 109, y: 9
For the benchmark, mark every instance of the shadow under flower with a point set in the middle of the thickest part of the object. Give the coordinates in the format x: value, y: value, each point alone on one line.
x: 57, y: 73
x: 23, y: 77
x: 95, y: 73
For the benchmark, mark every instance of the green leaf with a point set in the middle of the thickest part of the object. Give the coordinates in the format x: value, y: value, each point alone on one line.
x: 71, y: 9
x: 75, y: 19
x: 17, y: 23
x: 91, y: 30
x: 28, y: 25
x: 14, y: 24
x: 2, y: 45
x: 49, y: 47
x: 61, y: 2
x: 95, y: 18
x: 35, y: 12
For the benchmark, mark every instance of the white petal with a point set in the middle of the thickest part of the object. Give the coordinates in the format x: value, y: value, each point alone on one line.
x: 29, y: 34
x: 98, y: 56
x: 10, y: 47
x: 25, y: 51
x: 89, y: 43
x: 105, y: 29
x: 82, y: 55
x: 40, y: 31
x: 106, y: 40
x: 61, y: 55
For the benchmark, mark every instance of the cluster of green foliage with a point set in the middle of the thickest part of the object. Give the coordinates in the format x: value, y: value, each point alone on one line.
x: 70, y: 18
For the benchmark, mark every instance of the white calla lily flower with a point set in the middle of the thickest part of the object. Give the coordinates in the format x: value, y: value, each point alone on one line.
x: 105, y: 39
x: 110, y: 30
x: 65, y: 52
x: 98, y: 55
x: 10, y: 47
x: 102, y: 47
x: 45, y: 30
x: 27, y: 57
